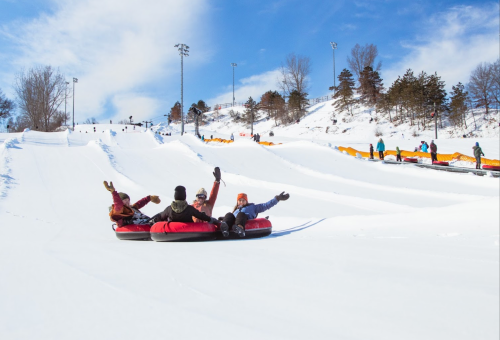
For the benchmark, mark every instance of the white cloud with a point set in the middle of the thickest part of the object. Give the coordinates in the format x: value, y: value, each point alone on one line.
x: 452, y: 45
x: 254, y: 86
x: 132, y: 104
x: 114, y: 47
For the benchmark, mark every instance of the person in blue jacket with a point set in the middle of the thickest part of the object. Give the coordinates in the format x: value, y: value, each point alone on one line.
x: 424, y: 147
x: 244, y: 211
x: 380, y: 148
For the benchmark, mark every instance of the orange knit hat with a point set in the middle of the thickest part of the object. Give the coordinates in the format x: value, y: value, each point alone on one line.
x: 242, y: 195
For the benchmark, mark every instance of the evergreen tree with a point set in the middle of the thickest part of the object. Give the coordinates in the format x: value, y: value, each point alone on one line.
x: 273, y: 103
x: 345, y: 91
x: 175, y: 112
x: 251, y: 113
x: 202, y: 106
x: 385, y: 104
x: 370, y: 86
x: 458, y: 105
x: 6, y: 106
x: 296, y: 104
x: 436, y: 95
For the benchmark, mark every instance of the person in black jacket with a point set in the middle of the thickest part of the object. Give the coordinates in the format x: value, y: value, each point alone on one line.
x: 180, y: 210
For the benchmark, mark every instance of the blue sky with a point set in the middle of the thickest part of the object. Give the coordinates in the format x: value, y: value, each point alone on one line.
x: 122, y: 51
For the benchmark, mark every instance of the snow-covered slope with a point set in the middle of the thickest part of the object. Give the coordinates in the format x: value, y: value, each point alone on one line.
x: 361, y: 250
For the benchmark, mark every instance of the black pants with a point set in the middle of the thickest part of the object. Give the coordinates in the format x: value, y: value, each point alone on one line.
x: 381, y: 154
x: 434, y: 156
x: 398, y: 158
x: 478, y: 162
x: 240, y: 219
x: 371, y: 154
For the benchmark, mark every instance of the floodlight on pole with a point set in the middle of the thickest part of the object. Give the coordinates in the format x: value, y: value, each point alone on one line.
x: 183, y: 51
x: 75, y: 80
x: 334, y: 47
x: 65, y: 103
x: 233, y: 65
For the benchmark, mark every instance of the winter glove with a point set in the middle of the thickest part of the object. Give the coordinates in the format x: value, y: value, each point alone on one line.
x: 154, y: 219
x: 282, y: 196
x: 109, y: 187
x: 214, y: 221
x: 217, y: 174
x: 154, y: 199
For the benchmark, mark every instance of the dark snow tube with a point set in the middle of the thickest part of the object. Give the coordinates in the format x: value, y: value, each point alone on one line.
x: 491, y: 167
x: 410, y: 160
x: 180, y: 231
x: 440, y: 163
x: 134, y: 232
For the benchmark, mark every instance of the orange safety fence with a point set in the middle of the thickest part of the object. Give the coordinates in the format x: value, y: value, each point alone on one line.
x: 442, y: 157
x: 220, y: 140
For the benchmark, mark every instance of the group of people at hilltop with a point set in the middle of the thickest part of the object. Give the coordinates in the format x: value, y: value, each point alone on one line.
x: 123, y: 213
x: 424, y: 147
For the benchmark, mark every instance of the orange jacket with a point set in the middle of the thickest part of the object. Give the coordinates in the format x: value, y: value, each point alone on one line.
x: 208, y: 205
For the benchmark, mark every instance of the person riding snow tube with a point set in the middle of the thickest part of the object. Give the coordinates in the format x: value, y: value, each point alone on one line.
x: 131, y: 222
x: 203, y: 204
x: 244, y: 211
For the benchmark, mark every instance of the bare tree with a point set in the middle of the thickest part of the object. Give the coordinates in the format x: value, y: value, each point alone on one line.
x: 481, y: 85
x: 294, y: 74
x: 363, y: 56
x: 495, y: 73
x: 40, y: 92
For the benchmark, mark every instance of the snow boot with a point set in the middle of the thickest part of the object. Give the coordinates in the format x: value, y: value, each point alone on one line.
x: 225, y: 229
x: 238, y: 229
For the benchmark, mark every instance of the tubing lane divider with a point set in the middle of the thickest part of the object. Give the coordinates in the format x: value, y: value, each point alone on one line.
x: 408, y: 154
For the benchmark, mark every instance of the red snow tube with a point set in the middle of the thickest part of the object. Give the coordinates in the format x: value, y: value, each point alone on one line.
x: 491, y: 167
x: 440, y: 163
x: 133, y: 232
x: 410, y: 160
x: 258, y: 227
x: 181, y: 231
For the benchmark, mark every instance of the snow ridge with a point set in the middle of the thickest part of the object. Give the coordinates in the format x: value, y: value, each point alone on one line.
x: 6, y: 180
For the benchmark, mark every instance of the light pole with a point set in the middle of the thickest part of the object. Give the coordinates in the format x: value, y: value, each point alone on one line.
x: 334, y: 47
x: 65, y: 101
x: 233, y: 65
x: 75, y: 80
x: 183, y: 51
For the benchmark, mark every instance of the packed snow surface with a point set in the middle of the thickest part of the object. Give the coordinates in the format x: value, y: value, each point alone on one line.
x: 361, y: 250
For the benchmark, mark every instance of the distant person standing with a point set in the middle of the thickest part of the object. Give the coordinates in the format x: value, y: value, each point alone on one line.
x: 434, y: 150
x: 380, y: 149
x: 478, y: 152
x: 371, y: 151
x: 232, y: 137
x: 424, y: 147
x: 398, y: 154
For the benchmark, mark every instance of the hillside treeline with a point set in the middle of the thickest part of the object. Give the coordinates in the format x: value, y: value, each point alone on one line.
x: 413, y: 97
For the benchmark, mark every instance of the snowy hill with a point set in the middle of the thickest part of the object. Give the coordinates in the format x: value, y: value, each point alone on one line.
x: 362, y: 125
x: 361, y: 250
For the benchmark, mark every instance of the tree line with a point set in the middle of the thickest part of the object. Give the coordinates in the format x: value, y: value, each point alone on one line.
x: 42, y: 90
x: 412, y: 98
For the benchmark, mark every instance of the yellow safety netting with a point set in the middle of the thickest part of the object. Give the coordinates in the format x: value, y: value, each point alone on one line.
x: 220, y: 140
x: 442, y: 157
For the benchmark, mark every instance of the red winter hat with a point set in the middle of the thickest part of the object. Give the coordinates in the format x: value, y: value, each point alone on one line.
x: 242, y: 195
